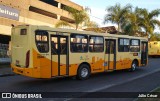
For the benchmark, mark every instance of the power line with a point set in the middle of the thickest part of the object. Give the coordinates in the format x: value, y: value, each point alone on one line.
x: 96, y: 17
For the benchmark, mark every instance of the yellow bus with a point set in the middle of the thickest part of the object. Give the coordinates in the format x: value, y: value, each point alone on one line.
x: 154, y: 48
x: 45, y: 52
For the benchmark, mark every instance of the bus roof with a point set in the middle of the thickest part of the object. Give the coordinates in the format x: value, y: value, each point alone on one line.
x: 51, y: 29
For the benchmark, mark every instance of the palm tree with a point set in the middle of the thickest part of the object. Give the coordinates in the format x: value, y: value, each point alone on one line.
x: 117, y: 14
x: 78, y: 16
x: 91, y: 24
x: 133, y: 22
x: 150, y: 21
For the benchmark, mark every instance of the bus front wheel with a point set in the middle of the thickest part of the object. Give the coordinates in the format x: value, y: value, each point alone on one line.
x: 83, y: 72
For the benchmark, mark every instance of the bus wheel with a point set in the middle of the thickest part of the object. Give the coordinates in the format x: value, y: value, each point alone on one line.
x: 133, y: 66
x: 83, y: 72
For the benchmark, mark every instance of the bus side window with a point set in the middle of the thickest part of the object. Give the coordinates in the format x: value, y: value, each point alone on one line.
x: 41, y: 39
x: 96, y: 44
x: 73, y: 45
x: 123, y: 45
x: 85, y: 48
x: 126, y: 48
x: 74, y: 48
x: 79, y: 43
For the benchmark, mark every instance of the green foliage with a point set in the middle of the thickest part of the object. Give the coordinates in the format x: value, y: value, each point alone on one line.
x: 117, y: 14
x: 78, y: 16
x: 149, y: 20
x: 91, y: 24
x: 134, y: 21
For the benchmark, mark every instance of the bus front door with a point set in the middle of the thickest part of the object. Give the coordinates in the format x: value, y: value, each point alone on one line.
x: 59, y: 57
x: 110, y: 54
x: 144, y: 52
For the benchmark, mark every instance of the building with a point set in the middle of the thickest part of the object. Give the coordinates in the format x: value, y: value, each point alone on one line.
x: 35, y: 12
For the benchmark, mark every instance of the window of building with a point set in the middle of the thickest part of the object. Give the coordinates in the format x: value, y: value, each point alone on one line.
x: 51, y: 2
x: 79, y: 43
x: 135, y: 45
x: 96, y: 44
x: 43, y: 12
x: 42, y: 41
x: 123, y: 45
x: 4, y: 45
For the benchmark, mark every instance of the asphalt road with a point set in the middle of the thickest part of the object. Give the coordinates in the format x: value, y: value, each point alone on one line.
x: 144, y: 79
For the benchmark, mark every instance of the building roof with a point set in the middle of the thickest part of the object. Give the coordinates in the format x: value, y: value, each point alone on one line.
x: 108, y: 29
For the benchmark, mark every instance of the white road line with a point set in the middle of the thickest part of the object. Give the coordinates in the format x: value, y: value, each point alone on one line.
x: 111, y: 85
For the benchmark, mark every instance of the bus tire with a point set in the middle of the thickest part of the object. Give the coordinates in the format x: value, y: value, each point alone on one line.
x: 133, y: 66
x: 83, y: 72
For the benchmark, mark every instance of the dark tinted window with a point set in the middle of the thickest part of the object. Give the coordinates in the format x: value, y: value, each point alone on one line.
x: 41, y: 38
x: 123, y: 45
x: 79, y: 43
x: 96, y: 44
x: 135, y: 45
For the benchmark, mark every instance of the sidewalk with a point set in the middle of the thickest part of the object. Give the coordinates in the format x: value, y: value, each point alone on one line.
x: 5, y: 70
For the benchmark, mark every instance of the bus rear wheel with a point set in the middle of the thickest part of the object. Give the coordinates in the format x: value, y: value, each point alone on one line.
x: 133, y: 66
x: 83, y: 72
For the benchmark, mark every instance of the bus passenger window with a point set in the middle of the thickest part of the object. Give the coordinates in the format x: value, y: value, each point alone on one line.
x: 134, y: 45
x: 79, y: 43
x: 123, y: 45
x: 96, y: 44
x: 41, y: 39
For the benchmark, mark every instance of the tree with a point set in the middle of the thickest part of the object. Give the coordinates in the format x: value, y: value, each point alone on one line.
x: 91, y: 24
x: 78, y: 17
x: 117, y: 14
x: 149, y: 20
x: 133, y: 22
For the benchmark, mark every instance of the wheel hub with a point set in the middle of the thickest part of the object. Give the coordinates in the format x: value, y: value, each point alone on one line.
x: 84, y: 72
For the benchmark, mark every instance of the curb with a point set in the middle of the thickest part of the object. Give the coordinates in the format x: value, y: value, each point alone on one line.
x: 7, y: 74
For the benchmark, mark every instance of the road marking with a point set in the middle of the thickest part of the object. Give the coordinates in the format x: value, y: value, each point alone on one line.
x: 119, y: 83
x: 111, y: 85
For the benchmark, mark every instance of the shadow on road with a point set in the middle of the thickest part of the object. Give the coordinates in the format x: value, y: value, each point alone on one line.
x: 100, y: 76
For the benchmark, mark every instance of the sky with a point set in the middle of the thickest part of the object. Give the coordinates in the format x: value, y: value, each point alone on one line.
x: 98, y: 7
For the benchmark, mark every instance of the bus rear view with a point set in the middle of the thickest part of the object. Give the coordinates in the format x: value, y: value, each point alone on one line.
x: 20, y: 48
x: 154, y: 48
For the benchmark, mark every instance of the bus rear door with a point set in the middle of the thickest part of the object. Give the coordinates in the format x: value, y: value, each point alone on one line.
x: 144, y: 52
x: 60, y: 55
x: 110, y: 54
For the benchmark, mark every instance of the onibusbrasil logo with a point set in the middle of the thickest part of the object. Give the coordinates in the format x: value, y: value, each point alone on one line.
x: 18, y: 95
